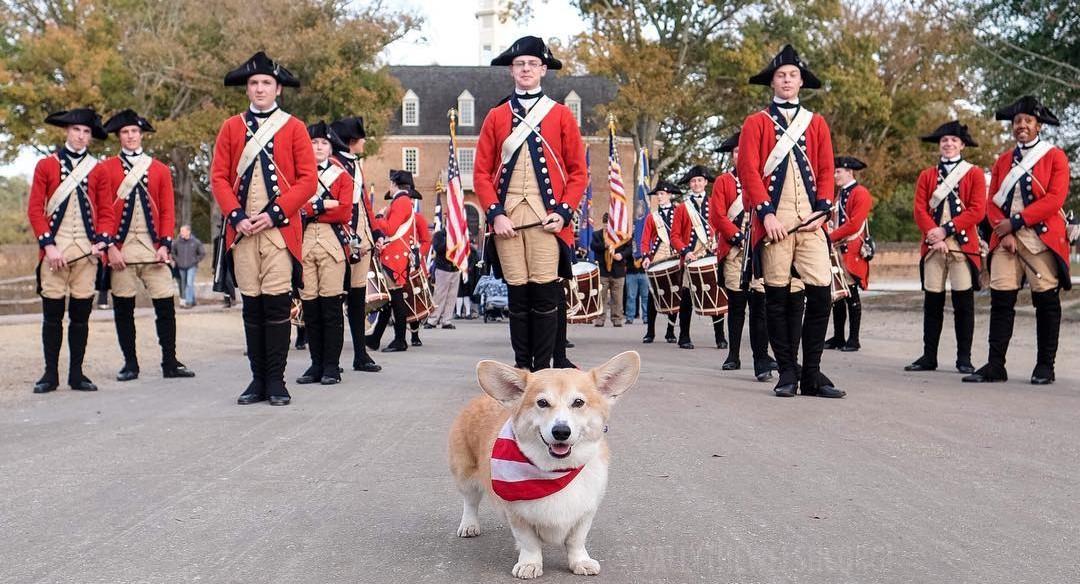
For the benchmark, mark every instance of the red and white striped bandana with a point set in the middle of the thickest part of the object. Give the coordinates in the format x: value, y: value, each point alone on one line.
x: 515, y: 478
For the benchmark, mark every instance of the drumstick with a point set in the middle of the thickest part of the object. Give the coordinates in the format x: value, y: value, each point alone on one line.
x: 525, y: 226
x: 808, y: 221
x: 1024, y: 261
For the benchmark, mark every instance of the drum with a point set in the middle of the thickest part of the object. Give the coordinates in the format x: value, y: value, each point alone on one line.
x: 418, y: 301
x: 665, y: 285
x: 378, y: 293
x: 585, y: 290
x: 839, y: 277
x: 705, y: 287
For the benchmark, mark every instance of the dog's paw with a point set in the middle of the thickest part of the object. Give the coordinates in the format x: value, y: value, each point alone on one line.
x: 586, y: 567
x: 468, y: 529
x: 527, y: 571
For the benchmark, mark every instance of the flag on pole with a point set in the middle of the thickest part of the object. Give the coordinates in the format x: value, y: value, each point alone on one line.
x: 618, y: 229
x: 457, y: 227
x: 585, y: 222
x: 438, y: 211
x: 643, y: 189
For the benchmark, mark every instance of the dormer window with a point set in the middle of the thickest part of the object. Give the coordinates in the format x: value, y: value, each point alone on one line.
x: 466, y: 106
x: 410, y: 109
x: 573, y: 101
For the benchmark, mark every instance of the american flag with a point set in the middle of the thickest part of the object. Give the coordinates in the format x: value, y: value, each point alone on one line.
x: 618, y: 229
x: 457, y: 228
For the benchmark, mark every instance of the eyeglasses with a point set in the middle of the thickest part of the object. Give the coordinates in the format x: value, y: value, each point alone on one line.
x: 527, y: 64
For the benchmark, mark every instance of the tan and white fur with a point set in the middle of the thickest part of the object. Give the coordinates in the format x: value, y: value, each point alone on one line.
x: 538, y: 403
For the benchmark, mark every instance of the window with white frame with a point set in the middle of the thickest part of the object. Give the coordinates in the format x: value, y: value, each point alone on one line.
x: 410, y: 160
x: 410, y: 109
x: 573, y: 101
x: 466, y: 158
x: 466, y: 106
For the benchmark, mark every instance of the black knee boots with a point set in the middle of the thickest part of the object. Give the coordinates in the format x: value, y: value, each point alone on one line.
x: 963, y: 304
x: 254, y: 337
x: 854, y: 310
x: 313, y: 325
x: 165, y: 323
x: 52, y: 339
x: 839, y: 315
x: 736, y: 317
x: 1002, y: 316
x: 124, y: 319
x: 278, y: 329
x: 357, y: 298
x: 78, y: 331
x: 933, y: 319
x: 1047, y: 329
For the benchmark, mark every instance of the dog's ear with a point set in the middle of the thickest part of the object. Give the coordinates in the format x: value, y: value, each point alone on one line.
x: 617, y: 375
x: 504, y: 383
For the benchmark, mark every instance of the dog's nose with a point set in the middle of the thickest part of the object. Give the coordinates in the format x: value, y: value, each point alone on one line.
x: 560, y: 431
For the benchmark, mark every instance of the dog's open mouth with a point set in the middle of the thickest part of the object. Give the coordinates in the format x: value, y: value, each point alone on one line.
x: 558, y: 449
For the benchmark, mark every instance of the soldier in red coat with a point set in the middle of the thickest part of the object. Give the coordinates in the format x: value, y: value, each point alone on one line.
x: 366, y: 233
x: 529, y: 176
x: 950, y: 202
x: 68, y: 213
x: 421, y: 248
x: 397, y: 258
x: 731, y: 222
x: 847, y: 233
x: 140, y: 191
x: 263, y: 172
x: 693, y: 238
x: 326, y: 219
x: 786, y: 168
x: 656, y: 247
x: 1028, y: 187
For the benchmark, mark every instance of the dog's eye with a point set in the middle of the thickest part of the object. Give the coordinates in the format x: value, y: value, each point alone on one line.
x: 542, y: 403
x: 578, y: 403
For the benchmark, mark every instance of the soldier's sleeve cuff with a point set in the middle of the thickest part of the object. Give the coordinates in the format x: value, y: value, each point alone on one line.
x: 277, y: 215
x: 103, y: 238
x: 236, y: 217
x: 1017, y: 221
x: 564, y: 211
x: 377, y: 234
x: 319, y: 206
x: 46, y: 239
x: 165, y: 242
x: 950, y: 229
x: 962, y: 237
x: 494, y: 211
x: 765, y: 208
x: 685, y: 250
x: 737, y: 238
x: 823, y: 205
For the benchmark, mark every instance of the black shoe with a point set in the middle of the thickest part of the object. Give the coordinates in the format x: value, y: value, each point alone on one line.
x: 764, y: 375
x: 330, y: 379
x: 965, y: 368
x: 563, y: 364
x: 46, y: 384
x: 1042, y: 375
x: 828, y: 391
x: 921, y: 364
x: 818, y: 385
x: 686, y: 345
x: 722, y: 345
x: 416, y: 342
x: 834, y: 343
x: 428, y: 325
x: 312, y: 375
x: 669, y: 336
x: 250, y: 396
x: 448, y: 326
x: 180, y: 370
x: 82, y: 384
x: 730, y: 365
x: 569, y: 345
x: 301, y: 346
x: 368, y: 366
x: 647, y: 339
x: 127, y: 374
x: 850, y: 348
x: 987, y: 374
x: 280, y: 400
x: 395, y: 348
x: 786, y: 390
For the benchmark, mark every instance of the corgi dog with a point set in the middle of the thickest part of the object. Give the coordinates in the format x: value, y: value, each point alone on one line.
x: 535, y: 445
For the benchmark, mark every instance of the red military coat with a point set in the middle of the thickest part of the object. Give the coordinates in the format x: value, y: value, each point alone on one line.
x: 756, y: 141
x: 47, y: 178
x: 341, y: 190
x: 352, y: 167
x: 162, y: 201
x: 964, y: 225
x: 563, y: 141
x: 855, y: 213
x: 683, y: 237
x: 650, y: 237
x: 1049, y: 189
x: 294, y: 164
x: 724, y: 192
x: 397, y: 254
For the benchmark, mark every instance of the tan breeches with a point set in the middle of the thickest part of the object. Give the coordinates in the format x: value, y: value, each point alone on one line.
x: 75, y: 280
x: 1007, y: 271
x: 808, y: 251
x: 733, y: 265
x: 262, y: 264
x: 939, y: 267
x: 156, y: 278
x: 532, y: 256
x: 324, y: 274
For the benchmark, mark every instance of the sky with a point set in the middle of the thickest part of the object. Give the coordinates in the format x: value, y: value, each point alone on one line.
x: 448, y: 37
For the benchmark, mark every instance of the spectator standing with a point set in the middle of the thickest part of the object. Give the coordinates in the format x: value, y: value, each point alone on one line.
x: 447, y: 281
x: 188, y: 251
x: 637, y: 290
x: 612, y: 277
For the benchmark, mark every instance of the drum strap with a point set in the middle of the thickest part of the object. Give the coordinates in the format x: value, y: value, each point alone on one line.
x: 661, y: 228
x: 695, y: 220
x: 950, y: 183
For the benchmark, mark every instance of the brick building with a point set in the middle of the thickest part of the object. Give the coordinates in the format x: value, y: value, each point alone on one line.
x: 418, y: 135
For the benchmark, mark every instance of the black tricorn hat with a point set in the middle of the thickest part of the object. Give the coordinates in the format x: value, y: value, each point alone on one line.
x: 1030, y: 106
x: 849, y: 162
x: 696, y: 170
x: 84, y: 116
x: 528, y: 46
x: 127, y: 118
x: 667, y: 187
x: 786, y: 56
x: 260, y: 64
x: 321, y: 130
x: 730, y: 144
x: 402, y: 177
x: 953, y: 128
x: 349, y: 129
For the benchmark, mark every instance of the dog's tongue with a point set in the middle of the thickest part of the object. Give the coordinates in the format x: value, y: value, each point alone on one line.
x: 560, y: 449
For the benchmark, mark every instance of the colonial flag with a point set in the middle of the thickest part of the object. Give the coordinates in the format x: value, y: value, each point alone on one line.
x: 585, y: 222
x: 438, y: 212
x: 618, y: 229
x: 643, y: 196
x: 457, y: 228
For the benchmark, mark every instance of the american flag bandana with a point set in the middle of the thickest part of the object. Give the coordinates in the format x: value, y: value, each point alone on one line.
x: 515, y: 478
